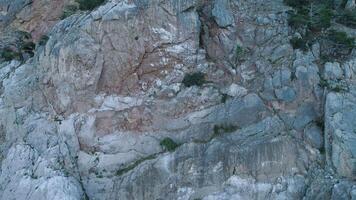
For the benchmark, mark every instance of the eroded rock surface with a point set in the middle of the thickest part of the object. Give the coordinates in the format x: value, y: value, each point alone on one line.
x: 86, y: 116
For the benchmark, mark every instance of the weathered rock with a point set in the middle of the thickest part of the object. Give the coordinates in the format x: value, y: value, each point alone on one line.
x: 306, y: 113
x: 158, y: 46
x: 285, y: 94
x: 313, y: 135
x: 9, y: 9
x: 236, y: 91
x: 339, y: 134
x: 353, y: 194
x: 35, y: 17
x: 333, y: 71
x: 100, y: 112
x: 350, y: 4
x: 341, y: 190
x: 222, y: 13
x: 189, y: 173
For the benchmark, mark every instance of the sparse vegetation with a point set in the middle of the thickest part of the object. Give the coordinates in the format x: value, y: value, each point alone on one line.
x: 336, y: 45
x: 20, y: 49
x: 224, y: 128
x: 341, y: 39
x: 312, y: 19
x: 313, y: 15
x: 197, y: 78
x: 133, y: 165
x: 298, y: 19
x: 239, y: 53
x: 299, y: 43
x: 83, y: 5
x: 8, y: 54
x: 321, y: 17
x: 89, y: 4
x: 347, y: 18
x: 335, y: 86
x: 168, y: 144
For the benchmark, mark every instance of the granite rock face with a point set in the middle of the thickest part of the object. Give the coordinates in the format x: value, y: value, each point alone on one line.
x: 340, y: 136
x: 101, y: 112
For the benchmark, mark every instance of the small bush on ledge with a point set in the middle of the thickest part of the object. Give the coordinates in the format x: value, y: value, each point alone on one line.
x: 8, y: 54
x: 89, y: 4
x: 299, y: 43
x: 168, y: 144
x: 197, y: 78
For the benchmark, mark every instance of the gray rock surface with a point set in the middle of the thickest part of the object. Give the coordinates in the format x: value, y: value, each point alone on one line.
x: 340, y: 136
x: 89, y: 116
x: 350, y: 4
x: 222, y: 13
x: 314, y: 135
x: 333, y: 71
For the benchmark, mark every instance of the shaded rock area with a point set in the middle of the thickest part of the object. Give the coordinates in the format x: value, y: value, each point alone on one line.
x: 98, y: 109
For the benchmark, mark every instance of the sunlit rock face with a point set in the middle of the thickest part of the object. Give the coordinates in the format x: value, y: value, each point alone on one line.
x: 171, y: 99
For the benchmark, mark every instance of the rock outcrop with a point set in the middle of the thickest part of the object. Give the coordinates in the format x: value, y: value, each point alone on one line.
x: 101, y: 111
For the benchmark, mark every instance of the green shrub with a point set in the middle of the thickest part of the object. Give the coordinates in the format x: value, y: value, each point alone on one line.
x: 335, y: 86
x: 298, y: 20
x: 296, y: 3
x: 313, y: 18
x: 240, y: 52
x: 299, y: 43
x: 321, y: 19
x: 197, y: 78
x: 341, y: 39
x: 20, y: 49
x: 89, y: 4
x: 347, y: 18
x: 8, y: 54
x: 168, y: 144
x: 28, y: 47
x: 336, y: 46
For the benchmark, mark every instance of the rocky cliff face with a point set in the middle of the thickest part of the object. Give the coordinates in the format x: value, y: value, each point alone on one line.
x: 172, y: 99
